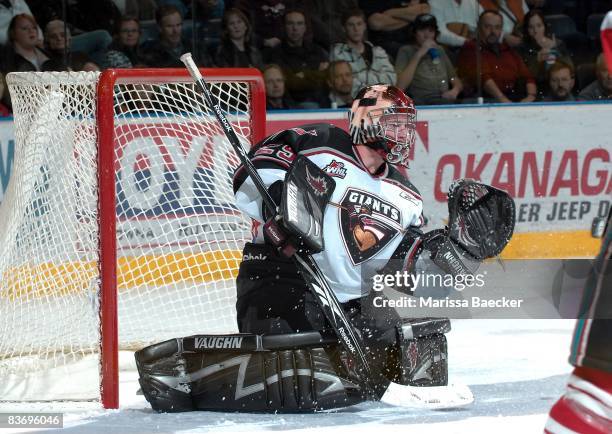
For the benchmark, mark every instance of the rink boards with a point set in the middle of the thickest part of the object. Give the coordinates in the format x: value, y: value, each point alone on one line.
x: 553, y: 158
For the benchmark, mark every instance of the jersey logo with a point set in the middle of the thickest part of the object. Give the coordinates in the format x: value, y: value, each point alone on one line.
x: 335, y: 168
x: 408, y: 197
x: 318, y: 183
x: 368, y: 224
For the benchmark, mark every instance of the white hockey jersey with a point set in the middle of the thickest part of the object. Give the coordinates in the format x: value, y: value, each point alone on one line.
x: 366, y: 216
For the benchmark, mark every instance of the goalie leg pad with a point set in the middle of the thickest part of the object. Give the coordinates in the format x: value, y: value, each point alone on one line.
x: 164, y: 398
x: 422, y: 356
x: 162, y: 377
x: 257, y: 373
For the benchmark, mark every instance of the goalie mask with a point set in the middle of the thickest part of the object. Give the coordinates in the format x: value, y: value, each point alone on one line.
x: 384, y: 118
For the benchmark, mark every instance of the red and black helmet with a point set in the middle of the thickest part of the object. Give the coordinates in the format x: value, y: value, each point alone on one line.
x: 383, y: 117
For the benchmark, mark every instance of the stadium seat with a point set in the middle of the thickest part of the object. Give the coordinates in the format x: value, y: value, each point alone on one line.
x: 564, y: 28
x: 593, y: 27
x: 585, y: 75
x: 561, y: 25
x: 148, y: 30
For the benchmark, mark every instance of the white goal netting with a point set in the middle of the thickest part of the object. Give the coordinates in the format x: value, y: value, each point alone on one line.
x: 178, y: 234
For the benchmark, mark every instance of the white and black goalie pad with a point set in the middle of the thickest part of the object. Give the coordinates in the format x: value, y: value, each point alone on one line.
x: 306, y: 193
x: 423, y: 352
x: 247, y: 372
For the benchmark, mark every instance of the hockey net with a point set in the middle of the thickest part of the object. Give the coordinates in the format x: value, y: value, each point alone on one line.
x: 133, y: 153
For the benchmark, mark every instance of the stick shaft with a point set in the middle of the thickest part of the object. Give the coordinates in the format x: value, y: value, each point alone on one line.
x: 311, y: 272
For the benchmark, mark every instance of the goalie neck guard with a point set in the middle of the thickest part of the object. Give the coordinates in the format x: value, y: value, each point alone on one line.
x: 384, y: 118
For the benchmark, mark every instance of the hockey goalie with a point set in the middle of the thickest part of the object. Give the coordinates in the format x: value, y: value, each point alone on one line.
x: 342, y: 199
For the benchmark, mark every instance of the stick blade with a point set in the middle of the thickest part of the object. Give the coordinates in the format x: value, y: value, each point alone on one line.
x: 438, y: 397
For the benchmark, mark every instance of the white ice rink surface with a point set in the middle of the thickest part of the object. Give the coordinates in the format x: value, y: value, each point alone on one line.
x: 515, y: 368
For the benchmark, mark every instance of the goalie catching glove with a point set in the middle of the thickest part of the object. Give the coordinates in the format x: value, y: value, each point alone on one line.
x: 480, y: 224
x: 298, y: 223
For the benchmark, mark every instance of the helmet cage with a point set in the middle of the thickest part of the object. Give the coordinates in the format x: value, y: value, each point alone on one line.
x: 391, y: 128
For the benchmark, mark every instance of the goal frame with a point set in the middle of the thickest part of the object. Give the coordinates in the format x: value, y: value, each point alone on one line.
x: 107, y: 239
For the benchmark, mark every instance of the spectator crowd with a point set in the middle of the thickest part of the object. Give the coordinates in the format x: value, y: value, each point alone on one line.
x: 318, y: 54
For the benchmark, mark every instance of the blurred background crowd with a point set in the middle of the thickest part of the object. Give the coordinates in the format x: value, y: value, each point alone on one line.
x: 318, y: 53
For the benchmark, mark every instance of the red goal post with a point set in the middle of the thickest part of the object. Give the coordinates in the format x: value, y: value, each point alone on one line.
x: 118, y: 227
x: 106, y: 124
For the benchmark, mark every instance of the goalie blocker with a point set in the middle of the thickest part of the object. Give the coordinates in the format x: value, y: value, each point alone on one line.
x: 280, y: 372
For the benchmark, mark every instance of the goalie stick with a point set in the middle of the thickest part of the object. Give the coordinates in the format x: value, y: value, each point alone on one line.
x: 311, y: 272
x: 396, y: 394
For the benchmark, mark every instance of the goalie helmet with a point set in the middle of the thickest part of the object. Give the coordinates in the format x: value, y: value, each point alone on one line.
x: 384, y: 118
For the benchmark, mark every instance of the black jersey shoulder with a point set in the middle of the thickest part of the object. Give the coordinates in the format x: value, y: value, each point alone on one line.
x: 280, y: 149
x: 311, y: 137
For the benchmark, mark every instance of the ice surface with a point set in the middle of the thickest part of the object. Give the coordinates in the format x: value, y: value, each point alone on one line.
x: 515, y: 368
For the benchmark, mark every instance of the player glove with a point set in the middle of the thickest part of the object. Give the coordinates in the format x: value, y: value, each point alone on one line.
x: 298, y: 223
x: 480, y: 224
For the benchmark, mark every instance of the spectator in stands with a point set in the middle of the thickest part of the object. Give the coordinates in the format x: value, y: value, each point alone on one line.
x: 237, y: 48
x: 124, y: 51
x: 423, y: 68
x: 513, y: 13
x: 326, y: 19
x: 303, y: 62
x: 57, y: 44
x: 457, y: 20
x: 8, y: 10
x: 276, y: 96
x: 267, y: 17
x: 370, y: 64
x: 22, y: 52
x: 340, y: 83
x: 561, y: 80
x: 93, y: 40
x: 166, y: 51
x: 540, y: 49
x: 504, y: 75
x: 389, y: 21
x: 601, y: 88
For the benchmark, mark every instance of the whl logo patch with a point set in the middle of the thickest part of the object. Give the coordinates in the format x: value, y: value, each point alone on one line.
x: 368, y: 224
x: 335, y: 168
